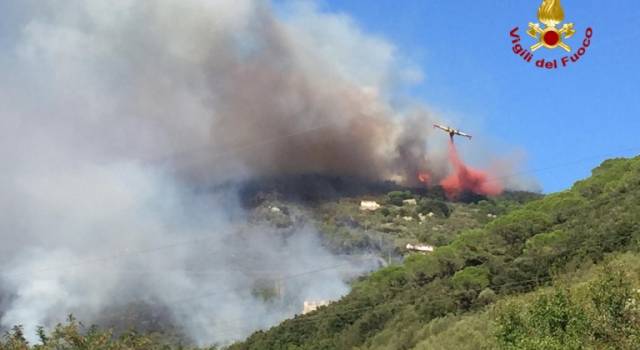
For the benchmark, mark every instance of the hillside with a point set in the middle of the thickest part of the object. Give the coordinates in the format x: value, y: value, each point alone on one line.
x: 482, y: 282
x: 405, y: 215
x: 511, y: 272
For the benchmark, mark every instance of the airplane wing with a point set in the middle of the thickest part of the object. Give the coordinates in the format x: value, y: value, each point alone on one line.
x: 463, y: 134
x: 441, y: 127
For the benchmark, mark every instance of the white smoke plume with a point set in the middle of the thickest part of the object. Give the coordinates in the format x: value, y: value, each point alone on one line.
x: 114, y: 113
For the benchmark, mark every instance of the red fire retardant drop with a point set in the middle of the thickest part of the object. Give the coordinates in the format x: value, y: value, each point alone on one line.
x: 465, y: 178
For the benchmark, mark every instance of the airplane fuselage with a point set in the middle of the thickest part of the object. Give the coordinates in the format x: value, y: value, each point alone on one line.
x: 451, y: 131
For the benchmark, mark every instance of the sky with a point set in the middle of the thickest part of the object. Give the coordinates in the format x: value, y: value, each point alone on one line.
x: 92, y: 92
x: 564, y: 121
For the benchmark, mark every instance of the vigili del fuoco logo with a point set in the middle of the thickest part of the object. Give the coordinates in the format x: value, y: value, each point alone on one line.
x: 550, y: 36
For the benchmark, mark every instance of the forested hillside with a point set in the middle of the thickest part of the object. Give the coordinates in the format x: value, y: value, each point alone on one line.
x: 525, y: 280
x: 560, y: 272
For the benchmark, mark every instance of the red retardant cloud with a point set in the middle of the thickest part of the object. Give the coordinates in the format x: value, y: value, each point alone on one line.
x: 464, y: 178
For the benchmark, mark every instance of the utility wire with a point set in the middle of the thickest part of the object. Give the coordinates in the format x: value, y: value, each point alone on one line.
x: 205, y: 238
x: 317, y: 317
x: 565, y: 164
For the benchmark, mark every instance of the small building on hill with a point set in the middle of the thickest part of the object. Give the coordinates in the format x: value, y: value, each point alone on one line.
x: 421, y: 248
x: 313, y: 305
x: 410, y: 201
x: 369, y: 205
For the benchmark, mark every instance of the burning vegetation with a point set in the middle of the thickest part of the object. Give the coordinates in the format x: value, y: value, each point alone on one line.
x: 128, y: 126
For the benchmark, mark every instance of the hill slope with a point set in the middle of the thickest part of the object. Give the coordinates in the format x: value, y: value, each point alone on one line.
x: 560, y: 272
x: 560, y: 235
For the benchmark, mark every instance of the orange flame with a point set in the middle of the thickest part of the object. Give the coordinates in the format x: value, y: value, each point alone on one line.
x: 424, y: 177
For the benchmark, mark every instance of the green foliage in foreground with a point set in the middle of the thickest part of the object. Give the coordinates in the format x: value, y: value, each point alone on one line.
x: 74, y: 336
x: 514, y: 254
x: 595, y: 309
x: 605, y: 314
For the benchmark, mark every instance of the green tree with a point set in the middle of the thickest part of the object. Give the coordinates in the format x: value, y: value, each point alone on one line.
x: 438, y: 207
x: 616, y: 319
x: 396, y: 197
x: 553, y: 322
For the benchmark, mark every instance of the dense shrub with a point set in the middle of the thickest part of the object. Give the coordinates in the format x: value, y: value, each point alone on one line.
x: 396, y: 197
x: 438, y: 207
x: 605, y: 316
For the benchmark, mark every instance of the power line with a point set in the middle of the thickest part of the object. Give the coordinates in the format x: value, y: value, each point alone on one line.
x: 565, y: 164
x: 208, y: 237
x: 310, y: 319
x: 317, y: 317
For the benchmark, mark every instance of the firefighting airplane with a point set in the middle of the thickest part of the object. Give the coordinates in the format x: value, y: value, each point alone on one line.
x: 452, y: 132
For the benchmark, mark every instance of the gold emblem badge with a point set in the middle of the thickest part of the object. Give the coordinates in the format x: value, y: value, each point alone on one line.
x: 550, y: 13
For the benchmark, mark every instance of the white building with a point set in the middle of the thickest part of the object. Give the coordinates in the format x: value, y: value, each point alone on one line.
x: 313, y: 305
x: 422, y: 248
x: 369, y: 205
x: 411, y: 201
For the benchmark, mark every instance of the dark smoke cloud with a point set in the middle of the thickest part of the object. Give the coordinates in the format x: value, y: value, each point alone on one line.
x: 112, y: 112
x: 280, y: 108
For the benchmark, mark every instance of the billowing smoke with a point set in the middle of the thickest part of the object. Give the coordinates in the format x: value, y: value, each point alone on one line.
x: 114, y: 115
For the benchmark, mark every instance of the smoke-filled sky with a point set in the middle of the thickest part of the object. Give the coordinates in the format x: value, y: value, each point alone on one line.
x: 113, y: 114
x: 568, y: 121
